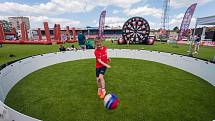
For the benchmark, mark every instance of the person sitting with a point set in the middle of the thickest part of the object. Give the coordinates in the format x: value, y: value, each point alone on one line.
x: 89, y: 45
x: 71, y: 48
x: 62, y: 48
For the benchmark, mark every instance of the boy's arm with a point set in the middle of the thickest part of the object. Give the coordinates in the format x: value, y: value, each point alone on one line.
x: 104, y: 64
x: 109, y: 60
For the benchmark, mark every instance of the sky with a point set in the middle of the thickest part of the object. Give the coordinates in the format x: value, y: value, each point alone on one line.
x: 82, y: 13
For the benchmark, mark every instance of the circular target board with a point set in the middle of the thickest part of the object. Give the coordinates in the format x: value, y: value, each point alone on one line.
x: 136, y: 30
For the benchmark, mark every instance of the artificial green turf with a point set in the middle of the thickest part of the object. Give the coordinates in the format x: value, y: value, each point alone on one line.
x: 21, y: 51
x: 148, y: 91
x: 205, y: 52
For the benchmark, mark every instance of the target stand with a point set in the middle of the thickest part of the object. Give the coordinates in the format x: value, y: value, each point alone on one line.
x: 136, y: 30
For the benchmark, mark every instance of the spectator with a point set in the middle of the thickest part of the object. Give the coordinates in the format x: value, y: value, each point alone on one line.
x: 81, y: 41
x: 71, y: 48
x: 62, y: 48
x: 89, y: 45
x: 197, y: 43
x: 63, y: 38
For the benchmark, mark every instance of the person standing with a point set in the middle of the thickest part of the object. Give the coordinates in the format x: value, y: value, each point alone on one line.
x: 197, y: 43
x: 81, y: 41
x: 102, y: 61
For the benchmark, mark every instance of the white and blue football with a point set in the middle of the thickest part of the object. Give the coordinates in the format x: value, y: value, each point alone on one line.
x: 111, y: 101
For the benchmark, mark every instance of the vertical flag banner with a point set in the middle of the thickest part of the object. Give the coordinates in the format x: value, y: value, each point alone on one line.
x: 101, y: 24
x: 186, y: 21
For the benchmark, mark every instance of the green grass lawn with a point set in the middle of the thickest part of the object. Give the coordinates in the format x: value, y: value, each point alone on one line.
x: 148, y: 91
x: 205, y: 52
x: 21, y: 51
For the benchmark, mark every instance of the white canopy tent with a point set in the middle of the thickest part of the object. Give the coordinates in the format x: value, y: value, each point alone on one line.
x: 210, y: 20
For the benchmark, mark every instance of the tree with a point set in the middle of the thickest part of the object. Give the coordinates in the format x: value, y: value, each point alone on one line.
x: 176, y: 29
x: 6, y: 25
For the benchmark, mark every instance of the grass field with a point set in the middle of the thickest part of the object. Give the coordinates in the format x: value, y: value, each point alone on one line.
x: 205, y: 52
x: 21, y: 51
x: 148, y: 91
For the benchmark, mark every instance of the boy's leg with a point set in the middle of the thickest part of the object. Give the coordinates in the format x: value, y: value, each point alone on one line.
x: 85, y: 47
x: 102, y: 82
x: 195, y: 48
x: 98, y: 81
x: 198, y: 46
x: 99, y: 86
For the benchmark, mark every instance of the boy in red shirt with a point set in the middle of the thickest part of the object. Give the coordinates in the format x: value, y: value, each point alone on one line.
x: 101, y: 65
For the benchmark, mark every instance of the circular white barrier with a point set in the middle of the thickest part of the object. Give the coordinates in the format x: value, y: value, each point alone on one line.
x: 13, y: 73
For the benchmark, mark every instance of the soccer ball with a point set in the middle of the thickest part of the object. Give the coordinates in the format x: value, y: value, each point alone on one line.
x: 111, y: 101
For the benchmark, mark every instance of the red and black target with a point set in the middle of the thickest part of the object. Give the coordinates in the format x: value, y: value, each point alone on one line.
x: 136, y: 30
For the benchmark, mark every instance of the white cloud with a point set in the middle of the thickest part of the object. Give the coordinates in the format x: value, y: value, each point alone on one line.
x: 56, y: 7
x: 144, y: 11
x: 154, y: 25
x: 39, y: 12
x: 94, y: 21
x: 53, y: 7
x: 180, y: 16
x: 116, y: 11
x: 118, y: 3
x: 176, y: 21
x: 37, y: 21
x: 114, y: 21
x: 187, y: 3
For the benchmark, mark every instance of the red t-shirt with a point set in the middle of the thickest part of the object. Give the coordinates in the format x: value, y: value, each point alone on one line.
x: 101, y: 54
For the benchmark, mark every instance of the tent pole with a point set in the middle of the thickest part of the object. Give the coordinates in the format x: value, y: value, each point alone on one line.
x: 191, y: 41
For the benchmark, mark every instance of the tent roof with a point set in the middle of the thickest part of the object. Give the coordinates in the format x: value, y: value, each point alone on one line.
x: 210, y: 20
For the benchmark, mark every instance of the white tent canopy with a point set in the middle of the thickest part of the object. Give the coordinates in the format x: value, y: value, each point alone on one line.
x: 210, y: 20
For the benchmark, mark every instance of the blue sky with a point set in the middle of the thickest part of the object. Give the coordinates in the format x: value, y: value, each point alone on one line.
x: 82, y: 13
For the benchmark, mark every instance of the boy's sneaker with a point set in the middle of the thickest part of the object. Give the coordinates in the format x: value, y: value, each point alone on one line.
x: 103, y: 92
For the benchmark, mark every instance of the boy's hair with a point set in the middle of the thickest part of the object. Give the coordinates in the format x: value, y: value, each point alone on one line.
x: 98, y: 42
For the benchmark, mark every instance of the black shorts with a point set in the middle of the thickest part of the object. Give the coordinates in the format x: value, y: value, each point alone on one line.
x: 100, y: 71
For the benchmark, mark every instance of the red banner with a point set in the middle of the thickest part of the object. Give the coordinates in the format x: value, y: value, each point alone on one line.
x: 205, y: 43
x: 186, y: 21
x: 101, y: 24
